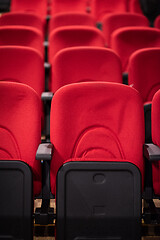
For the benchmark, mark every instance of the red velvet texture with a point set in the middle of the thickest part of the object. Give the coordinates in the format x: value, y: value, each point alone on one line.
x: 78, y: 64
x: 126, y: 40
x: 96, y: 120
x: 113, y: 21
x: 144, y: 72
x: 20, y: 126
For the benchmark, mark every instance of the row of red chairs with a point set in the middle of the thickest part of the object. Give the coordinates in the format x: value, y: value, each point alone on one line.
x: 96, y: 154
x: 97, y: 7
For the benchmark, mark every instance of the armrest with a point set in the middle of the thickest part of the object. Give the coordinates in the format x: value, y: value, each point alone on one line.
x: 151, y: 152
x: 44, y: 151
x: 47, y: 96
x: 125, y: 78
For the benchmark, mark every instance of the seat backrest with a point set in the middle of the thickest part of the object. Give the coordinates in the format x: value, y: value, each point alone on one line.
x: 125, y: 41
x: 102, y: 7
x: 70, y: 18
x: 22, y: 36
x: 22, y: 18
x: 74, y: 36
x: 23, y: 65
x: 85, y: 64
x: 156, y: 140
x: 96, y: 120
x: 144, y: 72
x: 20, y: 126
x: 34, y: 6
x: 157, y: 22
x: 134, y: 6
x: 113, y: 21
x: 68, y: 6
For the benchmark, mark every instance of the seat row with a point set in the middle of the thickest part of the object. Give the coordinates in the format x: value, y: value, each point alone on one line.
x: 95, y: 158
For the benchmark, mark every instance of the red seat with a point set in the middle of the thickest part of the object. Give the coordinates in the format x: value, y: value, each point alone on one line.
x: 156, y: 140
x: 23, y: 65
x: 22, y: 36
x: 134, y: 6
x: 125, y: 41
x: 20, y: 127
x: 72, y: 36
x: 96, y: 120
x: 68, y: 6
x: 22, y: 19
x: 70, y: 18
x: 85, y: 64
x: 113, y: 21
x: 33, y: 6
x: 146, y: 82
x: 102, y: 7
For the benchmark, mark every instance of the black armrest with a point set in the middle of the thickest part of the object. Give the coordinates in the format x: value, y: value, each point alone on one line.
x: 151, y: 152
x: 47, y: 96
x: 125, y: 78
x: 44, y: 151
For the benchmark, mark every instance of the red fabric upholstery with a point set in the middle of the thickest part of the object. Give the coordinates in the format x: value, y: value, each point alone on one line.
x: 68, y: 6
x: 34, y: 6
x: 20, y: 126
x: 157, y: 22
x: 70, y: 18
x: 102, y: 7
x: 156, y: 140
x: 23, y: 65
x: 22, y: 18
x: 134, y: 6
x: 113, y: 21
x: 127, y: 40
x: 79, y: 64
x: 73, y: 36
x: 22, y: 36
x: 96, y: 120
x: 144, y: 72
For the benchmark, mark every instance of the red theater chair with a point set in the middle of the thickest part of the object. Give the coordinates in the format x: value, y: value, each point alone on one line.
x: 84, y: 64
x: 113, y: 21
x: 98, y: 163
x: 152, y: 155
x: 144, y: 75
x: 125, y: 41
x: 20, y: 134
x: 22, y: 36
x: 22, y: 19
x: 102, y: 7
x: 70, y: 18
x: 68, y: 6
x: 33, y: 6
x: 73, y: 36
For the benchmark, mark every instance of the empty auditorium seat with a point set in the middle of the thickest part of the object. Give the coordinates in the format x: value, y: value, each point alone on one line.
x: 22, y: 36
x: 78, y: 64
x: 34, y: 6
x: 93, y: 131
x: 72, y: 36
x: 144, y: 74
x: 20, y: 131
x: 125, y: 41
x: 113, y: 21
x: 134, y: 6
x: 102, y: 7
x: 22, y: 18
x: 68, y: 6
x: 70, y: 18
